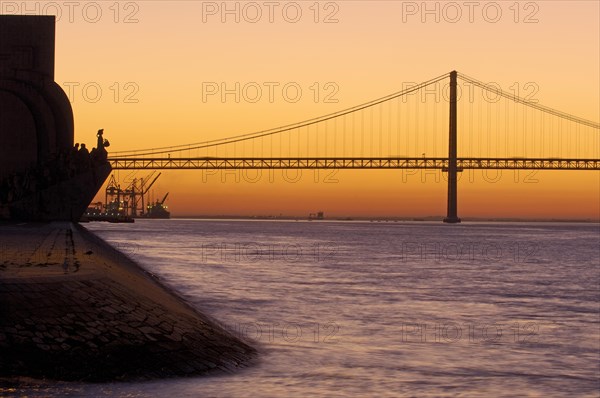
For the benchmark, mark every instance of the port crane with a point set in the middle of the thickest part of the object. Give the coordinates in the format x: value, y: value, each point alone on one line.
x: 165, y: 198
x: 129, y: 201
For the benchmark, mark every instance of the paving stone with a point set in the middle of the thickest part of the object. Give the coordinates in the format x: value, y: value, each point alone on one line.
x: 95, y: 329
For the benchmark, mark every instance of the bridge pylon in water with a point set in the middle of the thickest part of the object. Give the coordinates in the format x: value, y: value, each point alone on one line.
x: 451, y: 215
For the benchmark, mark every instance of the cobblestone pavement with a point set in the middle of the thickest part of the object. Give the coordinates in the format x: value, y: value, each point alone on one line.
x: 80, y: 322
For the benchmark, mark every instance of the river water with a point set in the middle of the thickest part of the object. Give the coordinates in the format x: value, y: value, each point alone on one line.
x: 379, y: 308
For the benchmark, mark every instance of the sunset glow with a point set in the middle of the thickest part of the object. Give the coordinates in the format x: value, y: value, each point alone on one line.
x: 144, y: 72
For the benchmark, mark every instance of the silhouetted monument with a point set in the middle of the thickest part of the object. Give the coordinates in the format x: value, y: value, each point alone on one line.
x: 39, y: 180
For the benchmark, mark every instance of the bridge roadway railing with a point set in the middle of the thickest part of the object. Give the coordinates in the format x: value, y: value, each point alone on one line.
x: 351, y: 163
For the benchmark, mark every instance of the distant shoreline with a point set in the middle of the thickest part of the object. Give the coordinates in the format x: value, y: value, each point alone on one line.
x: 387, y: 219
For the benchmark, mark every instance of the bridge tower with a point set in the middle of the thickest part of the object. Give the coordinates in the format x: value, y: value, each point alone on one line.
x: 451, y: 215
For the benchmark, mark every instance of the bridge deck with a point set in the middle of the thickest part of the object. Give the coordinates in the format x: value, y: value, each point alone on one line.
x: 352, y: 163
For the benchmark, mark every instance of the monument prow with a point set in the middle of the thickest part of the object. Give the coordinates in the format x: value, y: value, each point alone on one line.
x: 42, y: 177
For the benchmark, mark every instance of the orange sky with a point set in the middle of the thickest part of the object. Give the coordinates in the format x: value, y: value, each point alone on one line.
x: 151, y: 72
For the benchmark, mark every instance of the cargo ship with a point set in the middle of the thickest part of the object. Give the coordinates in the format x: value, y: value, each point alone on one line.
x: 44, y: 176
x: 158, y: 209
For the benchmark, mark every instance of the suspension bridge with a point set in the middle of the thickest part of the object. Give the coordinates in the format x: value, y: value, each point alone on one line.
x: 416, y: 128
